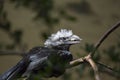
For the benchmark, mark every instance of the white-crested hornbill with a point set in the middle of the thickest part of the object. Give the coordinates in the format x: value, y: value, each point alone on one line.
x: 47, y: 61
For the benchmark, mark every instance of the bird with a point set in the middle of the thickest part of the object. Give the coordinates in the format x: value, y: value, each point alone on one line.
x: 46, y: 61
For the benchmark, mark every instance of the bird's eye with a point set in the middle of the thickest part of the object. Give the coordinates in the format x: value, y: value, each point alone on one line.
x: 62, y: 38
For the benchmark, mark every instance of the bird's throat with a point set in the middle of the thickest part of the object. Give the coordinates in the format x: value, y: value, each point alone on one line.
x: 62, y: 47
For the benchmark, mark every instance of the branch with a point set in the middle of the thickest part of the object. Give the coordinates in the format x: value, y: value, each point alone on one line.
x: 76, y: 62
x: 6, y: 52
x: 91, y: 54
x: 108, y: 70
x: 105, y: 35
x: 94, y: 66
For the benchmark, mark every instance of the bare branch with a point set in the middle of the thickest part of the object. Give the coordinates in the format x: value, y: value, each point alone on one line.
x: 105, y: 35
x: 101, y: 67
x: 108, y: 70
x: 6, y: 52
x: 94, y: 66
x: 91, y: 54
x: 76, y: 62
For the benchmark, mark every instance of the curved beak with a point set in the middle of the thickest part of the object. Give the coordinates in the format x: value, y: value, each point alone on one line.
x: 74, y: 39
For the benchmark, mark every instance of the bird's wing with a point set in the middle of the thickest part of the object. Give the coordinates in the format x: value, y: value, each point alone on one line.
x: 38, y: 57
x: 18, y: 70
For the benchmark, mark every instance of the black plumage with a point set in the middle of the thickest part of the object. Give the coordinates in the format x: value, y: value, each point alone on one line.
x: 48, y: 62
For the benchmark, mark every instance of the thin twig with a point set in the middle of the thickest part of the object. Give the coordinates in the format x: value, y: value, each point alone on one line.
x: 101, y: 67
x: 94, y: 66
x: 97, y: 45
x: 91, y: 54
x: 107, y: 69
x: 76, y: 62
x: 6, y: 52
x: 105, y: 35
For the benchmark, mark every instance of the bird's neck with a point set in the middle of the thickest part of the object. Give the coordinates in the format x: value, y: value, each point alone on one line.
x: 62, y: 47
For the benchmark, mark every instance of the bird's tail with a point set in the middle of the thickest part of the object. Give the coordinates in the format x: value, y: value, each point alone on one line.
x: 15, y: 72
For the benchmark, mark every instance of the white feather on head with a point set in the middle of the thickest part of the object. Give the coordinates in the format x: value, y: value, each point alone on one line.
x: 56, y: 36
x: 61, y: 33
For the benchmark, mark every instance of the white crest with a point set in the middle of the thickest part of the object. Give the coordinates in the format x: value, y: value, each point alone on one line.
x: 59, y: 34
x: 62, y: 33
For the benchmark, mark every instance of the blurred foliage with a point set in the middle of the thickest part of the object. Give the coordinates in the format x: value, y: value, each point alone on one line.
x: 1, y: 6
x: 4, y: 23
x: 66, y: 76
x: 45, y: 35
x: 6, y: 26
x: 17, y: 36
x: 113, y: 52
x: 10, y: 46
x: 1, y: 45
x: 44, y: 8
x: 65, y: 15
x: 82, y: 7
x: 80, y: 70
x: 88, y: 47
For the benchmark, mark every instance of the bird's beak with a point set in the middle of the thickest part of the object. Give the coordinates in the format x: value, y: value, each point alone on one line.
x: 74, y: 39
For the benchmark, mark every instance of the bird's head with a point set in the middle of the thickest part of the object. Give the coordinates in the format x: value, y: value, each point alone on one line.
x: 62, y: 37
